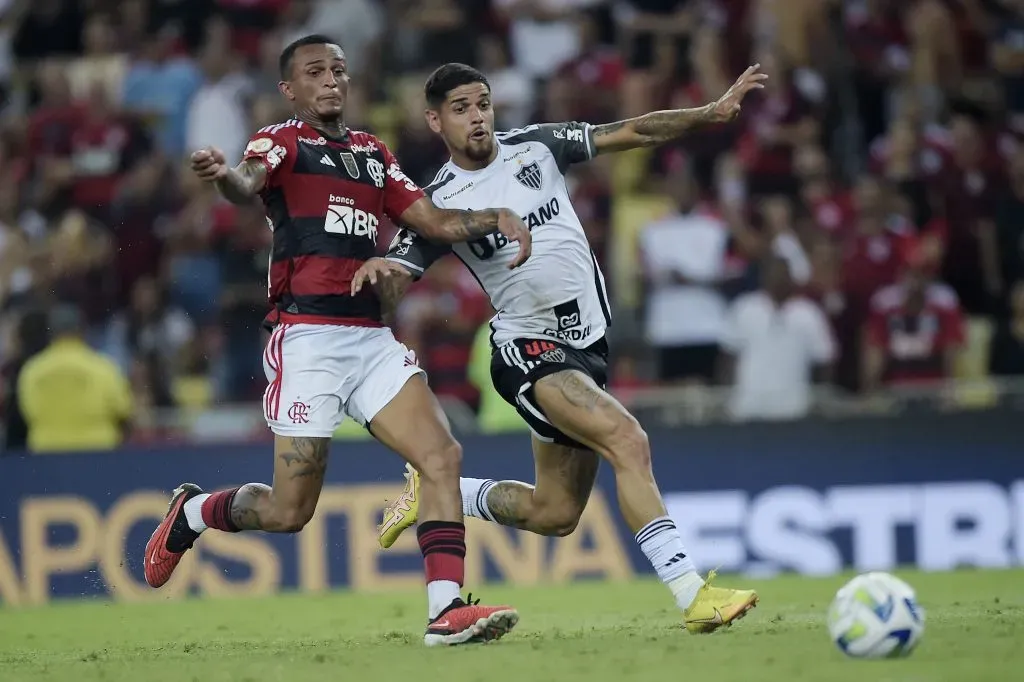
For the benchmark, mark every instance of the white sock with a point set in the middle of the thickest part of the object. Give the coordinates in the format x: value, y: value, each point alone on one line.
x: 440, y: 594
x: 194, y: 512
x: 660, y: 542
x: 474, y: 497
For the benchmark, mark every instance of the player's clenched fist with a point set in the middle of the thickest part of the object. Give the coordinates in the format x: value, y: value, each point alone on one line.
x: 512, y: 227
x: 209, y: 164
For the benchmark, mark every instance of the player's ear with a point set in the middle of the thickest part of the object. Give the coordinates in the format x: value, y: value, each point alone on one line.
x: 286, y: 89
x: 433, y: 120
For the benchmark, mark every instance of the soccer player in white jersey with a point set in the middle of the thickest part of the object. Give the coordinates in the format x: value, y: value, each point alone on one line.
x: 549, y: 350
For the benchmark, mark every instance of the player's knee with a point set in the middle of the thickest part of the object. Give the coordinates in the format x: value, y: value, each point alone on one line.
x: 293, y: 519
x: 556, y: 522
x: 442, y: 463
x: 629, y: 447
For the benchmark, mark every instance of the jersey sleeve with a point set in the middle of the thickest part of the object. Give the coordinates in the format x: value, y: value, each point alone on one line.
x: 275, y: 149
x: 399, y: 191
x: 570, y: 142
x: 415, y: 253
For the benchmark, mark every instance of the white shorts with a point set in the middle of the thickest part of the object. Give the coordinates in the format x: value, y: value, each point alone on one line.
x: 319, y: 373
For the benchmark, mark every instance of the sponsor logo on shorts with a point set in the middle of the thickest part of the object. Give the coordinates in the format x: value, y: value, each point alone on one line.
x: 536, y: 348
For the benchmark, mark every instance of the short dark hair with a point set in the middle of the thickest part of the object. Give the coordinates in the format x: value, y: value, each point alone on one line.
x: 448, y: 77
x: 284, y: 62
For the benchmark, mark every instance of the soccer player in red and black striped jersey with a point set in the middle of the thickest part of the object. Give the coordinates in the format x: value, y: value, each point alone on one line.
x: 325, y: 189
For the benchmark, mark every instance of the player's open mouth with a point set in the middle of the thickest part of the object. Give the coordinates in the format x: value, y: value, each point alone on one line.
x: 479, y: 135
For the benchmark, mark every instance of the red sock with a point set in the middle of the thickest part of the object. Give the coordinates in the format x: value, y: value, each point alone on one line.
x: 443, y: 544
x: 216, y: 511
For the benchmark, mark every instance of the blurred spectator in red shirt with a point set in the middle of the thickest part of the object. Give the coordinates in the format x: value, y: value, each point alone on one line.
x: 594, y: 76
x: 104, y: 146
x: 831, y: 206
x: 140, y: 219
x: 438, y: 320
x: 881, y: 56
x: 914, y: 331
x: 871, y: 258
x: 778, y: 122
x: 967, y: 188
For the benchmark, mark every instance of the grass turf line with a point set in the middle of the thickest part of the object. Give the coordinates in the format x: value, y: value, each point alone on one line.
x: 593, y: 632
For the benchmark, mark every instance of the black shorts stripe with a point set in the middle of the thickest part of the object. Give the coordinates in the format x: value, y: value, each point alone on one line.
x: 514, y: 373
x: 602, y: 295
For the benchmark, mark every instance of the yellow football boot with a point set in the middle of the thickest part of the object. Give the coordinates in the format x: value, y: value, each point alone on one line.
x: 401, y: 513
x: 715, y: 607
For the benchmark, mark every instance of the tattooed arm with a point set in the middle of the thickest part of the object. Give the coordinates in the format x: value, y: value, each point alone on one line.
x: 390, y: 291
x: 243, y: 182
x: 450, y: 225
x: 659, y: 127
x: 239, y: 184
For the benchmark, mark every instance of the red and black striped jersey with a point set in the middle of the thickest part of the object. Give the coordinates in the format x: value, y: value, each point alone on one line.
x: 324, y: 199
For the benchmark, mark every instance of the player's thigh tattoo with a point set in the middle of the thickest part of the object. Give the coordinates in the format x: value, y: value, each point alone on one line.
x: 579, y: 392
x: 307, y: 458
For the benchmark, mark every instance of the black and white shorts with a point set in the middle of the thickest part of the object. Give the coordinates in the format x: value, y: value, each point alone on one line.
x: 518, y: 365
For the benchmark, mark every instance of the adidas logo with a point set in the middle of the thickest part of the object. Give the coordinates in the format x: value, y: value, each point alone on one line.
x: 326, y: 160
x: 676, y: 559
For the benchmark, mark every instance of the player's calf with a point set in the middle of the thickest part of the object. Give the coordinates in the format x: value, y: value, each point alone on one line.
x: 517, y: 505
x: 576, y: 406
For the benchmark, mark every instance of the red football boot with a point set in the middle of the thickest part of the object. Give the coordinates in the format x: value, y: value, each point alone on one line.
x: 470, y: 623
x: 171, y: 539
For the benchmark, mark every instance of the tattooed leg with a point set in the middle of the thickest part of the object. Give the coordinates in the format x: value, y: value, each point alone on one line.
x: 299, y: 467
x: 565, y: 477
x: 580, y: 409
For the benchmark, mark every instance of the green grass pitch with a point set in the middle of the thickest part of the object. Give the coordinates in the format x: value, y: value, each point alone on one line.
x: 587, y: 631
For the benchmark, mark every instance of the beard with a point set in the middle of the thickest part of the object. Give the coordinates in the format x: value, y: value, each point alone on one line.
x: 480, y: 151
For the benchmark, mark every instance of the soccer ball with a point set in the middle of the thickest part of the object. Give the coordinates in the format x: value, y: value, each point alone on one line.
x: 876, y: 615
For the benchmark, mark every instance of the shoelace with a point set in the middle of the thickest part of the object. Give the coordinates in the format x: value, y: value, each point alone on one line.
x: 469, y: 600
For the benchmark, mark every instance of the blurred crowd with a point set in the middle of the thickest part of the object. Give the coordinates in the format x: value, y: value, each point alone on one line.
x: 862, y: 224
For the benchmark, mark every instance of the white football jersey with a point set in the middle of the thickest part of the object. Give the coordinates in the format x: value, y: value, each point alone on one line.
x: 559, y: 292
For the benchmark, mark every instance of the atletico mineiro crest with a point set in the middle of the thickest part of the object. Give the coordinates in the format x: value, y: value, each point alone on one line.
x: 529, y: 176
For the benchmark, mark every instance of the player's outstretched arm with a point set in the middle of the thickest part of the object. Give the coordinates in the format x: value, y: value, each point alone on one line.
x: 239, y: 184
x: 659, y: 127
x: 449, y: 225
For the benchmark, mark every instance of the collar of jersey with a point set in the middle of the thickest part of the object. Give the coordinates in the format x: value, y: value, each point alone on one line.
x: 333, y: 138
